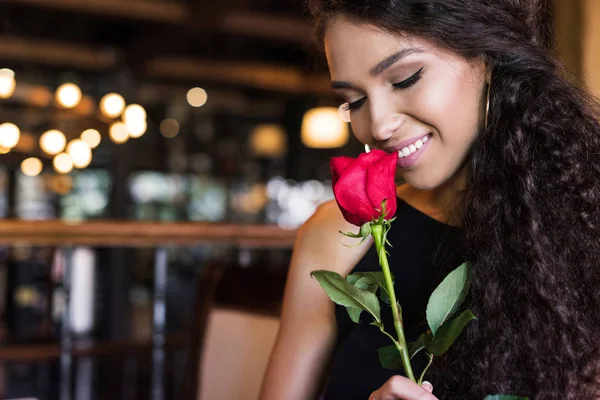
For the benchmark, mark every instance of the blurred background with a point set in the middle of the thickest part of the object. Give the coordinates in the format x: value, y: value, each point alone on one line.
x: 157, y: 157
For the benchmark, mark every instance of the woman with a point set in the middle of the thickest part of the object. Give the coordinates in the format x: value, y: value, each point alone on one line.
x: 505, y: 152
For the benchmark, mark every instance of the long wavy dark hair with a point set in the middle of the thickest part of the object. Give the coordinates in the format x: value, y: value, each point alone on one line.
x: 532, y: 205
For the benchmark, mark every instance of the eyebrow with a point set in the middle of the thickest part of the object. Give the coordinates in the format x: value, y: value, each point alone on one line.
x: 380, y: 67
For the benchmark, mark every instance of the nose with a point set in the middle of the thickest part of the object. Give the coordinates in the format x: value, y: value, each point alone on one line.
x: 384, y: 122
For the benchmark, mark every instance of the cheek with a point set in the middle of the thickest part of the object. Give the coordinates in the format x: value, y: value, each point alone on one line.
x: 452, y: 107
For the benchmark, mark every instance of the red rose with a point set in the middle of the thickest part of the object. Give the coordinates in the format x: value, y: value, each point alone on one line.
x: 361, y: 184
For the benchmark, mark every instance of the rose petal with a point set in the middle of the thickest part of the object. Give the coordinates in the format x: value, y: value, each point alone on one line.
x: 352, y: 218
x: 338, y: 165
x: 381, y: 183
x: 371, y: 157
x: 351, y: 196
x: 341, y: 163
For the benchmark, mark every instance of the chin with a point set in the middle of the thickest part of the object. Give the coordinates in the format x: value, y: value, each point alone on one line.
x: 421, y: 183
x: 425, y: 181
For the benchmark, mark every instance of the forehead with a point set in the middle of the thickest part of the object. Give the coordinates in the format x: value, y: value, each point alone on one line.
x: 354, y: 46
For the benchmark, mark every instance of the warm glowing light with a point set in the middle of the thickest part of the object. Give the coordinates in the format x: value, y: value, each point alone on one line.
x: 7, y: 83
x: 31, y: 166
x: 63, y: 163
x: 268, y: 140
x: 4, y: 150
x: 134, y: 113
x: 53, y: 142
x: 137, y: 128
x: 9, y: 135
x: 322, y: 128
x: 91, y: 137
x: 197, y: 97
x: 80, y: 153
x: 169, y: 128
x: 112, y: 105
x: 68, y: 95
x: 118, y: 132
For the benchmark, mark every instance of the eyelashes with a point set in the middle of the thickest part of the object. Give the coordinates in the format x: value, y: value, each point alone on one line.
x: 405, y: 84
x: 411, y: 80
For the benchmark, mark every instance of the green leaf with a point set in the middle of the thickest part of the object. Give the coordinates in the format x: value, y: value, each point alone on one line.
x: 353, y: 278
x: 380, y: 280
x: 504, y: 397
x: 363, y: 280
x: 343, y: 293
x: 354, y: 314
x: 418, y: 345
x: 367, y: 283
x: 389, y: 357
x: 447, y: 297
x: 448, y: 333
x: 370, y: 281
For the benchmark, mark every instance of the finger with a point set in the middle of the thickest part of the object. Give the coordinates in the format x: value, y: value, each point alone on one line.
x: 427, y: 386
x: 401, y: 388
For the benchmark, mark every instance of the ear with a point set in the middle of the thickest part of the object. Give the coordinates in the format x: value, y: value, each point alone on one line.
x: 488, y: 74
x: 488, y: 68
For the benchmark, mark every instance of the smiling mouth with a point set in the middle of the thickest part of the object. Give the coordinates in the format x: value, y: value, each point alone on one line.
x: 413, y: 147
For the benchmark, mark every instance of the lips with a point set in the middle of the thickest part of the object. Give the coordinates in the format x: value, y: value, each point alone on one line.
x: 405, y: 143
x: 410, y: 160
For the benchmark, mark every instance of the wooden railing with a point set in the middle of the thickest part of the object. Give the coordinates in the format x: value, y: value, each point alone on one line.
x: 141, y: 234
x: 67, y: 235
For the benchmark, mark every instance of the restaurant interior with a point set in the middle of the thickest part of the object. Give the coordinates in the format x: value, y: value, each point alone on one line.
x: 157, y: 158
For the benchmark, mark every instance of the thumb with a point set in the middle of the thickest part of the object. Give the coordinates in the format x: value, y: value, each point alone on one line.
x: 427, y: 386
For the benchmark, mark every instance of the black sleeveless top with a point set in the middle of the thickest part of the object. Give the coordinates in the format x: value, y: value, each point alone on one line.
x: 424, y: 251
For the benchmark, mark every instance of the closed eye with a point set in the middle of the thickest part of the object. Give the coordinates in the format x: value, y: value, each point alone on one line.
x: 411, y: 80
x: 405, y: 84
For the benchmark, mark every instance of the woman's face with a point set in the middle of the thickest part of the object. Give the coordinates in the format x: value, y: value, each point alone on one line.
x: 407, y: 95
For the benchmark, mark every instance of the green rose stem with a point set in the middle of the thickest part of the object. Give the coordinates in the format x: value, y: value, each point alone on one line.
x: 378, y: 233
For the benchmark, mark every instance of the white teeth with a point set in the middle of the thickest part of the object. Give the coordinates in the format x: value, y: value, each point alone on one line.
x: 406, y: 151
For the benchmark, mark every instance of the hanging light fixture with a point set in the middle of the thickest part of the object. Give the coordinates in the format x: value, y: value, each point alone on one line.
x: 322, y: 128
x: 9, y: 135
x: 268, y: 140
x: 63, y: 163
x: 169, y: 128
x: 91, y: 137
x: 68, y: 95
x: 197, y: 97
x: 137, y: 128
x: 118, y: 132
x: 134, y: 118
x: 80, y: 153
x: 31, y: 166
x: 112, y: 105
x: 53, y: 142
x: 7, y: 83
x: 134, y: 113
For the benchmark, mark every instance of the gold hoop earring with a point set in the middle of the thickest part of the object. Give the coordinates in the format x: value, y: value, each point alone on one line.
x: 367, y: 148
x: 487, y: 106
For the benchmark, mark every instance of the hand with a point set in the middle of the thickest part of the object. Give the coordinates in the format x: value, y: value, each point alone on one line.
x: 401, y: 388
